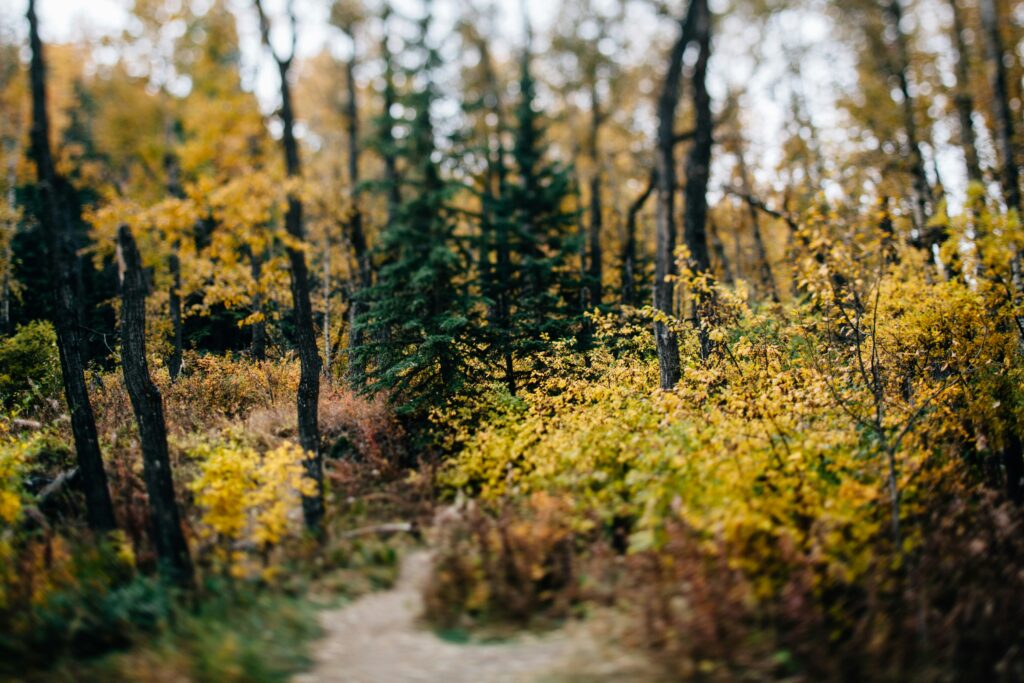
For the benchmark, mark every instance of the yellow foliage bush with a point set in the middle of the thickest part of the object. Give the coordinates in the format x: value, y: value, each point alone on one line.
x: 771, y: 445
x: 248, y: 502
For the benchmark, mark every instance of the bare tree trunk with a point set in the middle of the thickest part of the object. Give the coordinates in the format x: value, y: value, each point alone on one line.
x: 922, y: 193
x: 963, y: 98
x: 391, y: 179
x: 326, y: 287
x: 7, y: 257
x: 664, y: 258
x: 174, y: 301
x: 765, y: 268
x: 629, y: 244
x: 55, y: 217
x: 357, y: 237
x: 698, y: 170
x: 168, y: 539
x: 595, y: 270
x: 1001, y: 104
x: 258, y: 347
x: 719, y: 249
x: 305, y: 337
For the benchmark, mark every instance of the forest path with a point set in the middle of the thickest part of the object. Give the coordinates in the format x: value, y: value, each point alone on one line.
x: 380, y: 639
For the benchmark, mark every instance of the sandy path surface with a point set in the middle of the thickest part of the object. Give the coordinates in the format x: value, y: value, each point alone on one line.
x: 379, y: 639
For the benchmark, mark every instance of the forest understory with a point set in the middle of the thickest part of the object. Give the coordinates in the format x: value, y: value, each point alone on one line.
x: 375, y: 342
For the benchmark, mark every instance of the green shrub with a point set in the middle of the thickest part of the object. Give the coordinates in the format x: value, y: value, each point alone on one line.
x: 29, y: 366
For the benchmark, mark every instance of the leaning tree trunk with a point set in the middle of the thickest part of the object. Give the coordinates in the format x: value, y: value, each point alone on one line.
x: 698, y: 170
x: 667, y: 345
x: 305, y: 336
x: 1001, y: 104
x: 55, y: 207
x: 165, y: 523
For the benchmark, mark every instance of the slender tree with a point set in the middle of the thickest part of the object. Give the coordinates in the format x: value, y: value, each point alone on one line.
x: 962, y: 97
x: 1001, y: 112
x: 57, y: 210
x: 899, y: 65
x: 348, y: 22
x: 664, y: 259
x: 164, y: 520
x: 305, y: 336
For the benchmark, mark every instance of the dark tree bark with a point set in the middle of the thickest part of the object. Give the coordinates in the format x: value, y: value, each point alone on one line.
x: 391, y: 178
x: 899, y: 68
x: 664, y: 258
x: 718, y: 247
x: 357, y: 236
x: 174, y: 301
x: 55, y: 216
x: 963, y: 98
x: 698, y: 170
x: 595, y: 269
x: 629, y: 244
x: 165, y: 523
x: 305, y: 336
x: 259, y: 328
x: 1001, y: 104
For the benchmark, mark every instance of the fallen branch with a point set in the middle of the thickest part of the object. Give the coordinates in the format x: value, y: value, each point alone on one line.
x: 384, y: 529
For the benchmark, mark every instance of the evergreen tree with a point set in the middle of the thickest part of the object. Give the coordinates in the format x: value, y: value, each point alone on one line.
x: 529, y: 227
x: 420, y: 309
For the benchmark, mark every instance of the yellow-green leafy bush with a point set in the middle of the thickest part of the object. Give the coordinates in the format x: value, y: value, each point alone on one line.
x: 248, y: 502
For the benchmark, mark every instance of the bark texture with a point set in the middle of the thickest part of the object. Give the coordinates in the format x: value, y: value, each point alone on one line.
x: 698, y: 170
x: 165, y: 522
x: 665, y: 340
x: 356, y: 236
x: 308, y: 398
x: 1004, y: 117
x: 56, y: 218
x: 900, y: 66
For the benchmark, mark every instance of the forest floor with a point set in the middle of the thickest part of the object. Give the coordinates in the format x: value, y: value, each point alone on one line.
x: 380, y: 638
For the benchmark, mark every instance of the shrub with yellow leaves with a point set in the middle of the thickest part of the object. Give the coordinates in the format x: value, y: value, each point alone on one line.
x: 248, y: 502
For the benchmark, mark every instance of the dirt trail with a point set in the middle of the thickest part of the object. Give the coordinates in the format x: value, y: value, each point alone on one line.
x: 379, y: 639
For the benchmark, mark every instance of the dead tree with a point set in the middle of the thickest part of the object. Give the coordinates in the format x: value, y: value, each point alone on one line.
x: 698, y: 170
x: 665, y: 225
x: 305, y: 336
x: 164, y: 520
x: 57, y: 213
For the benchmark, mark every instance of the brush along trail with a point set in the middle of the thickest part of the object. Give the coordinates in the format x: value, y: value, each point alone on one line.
x: 380, y: 638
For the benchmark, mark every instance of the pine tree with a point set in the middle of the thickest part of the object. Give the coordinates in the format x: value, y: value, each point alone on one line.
x: 420, y: 309
x: 530, y: 227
